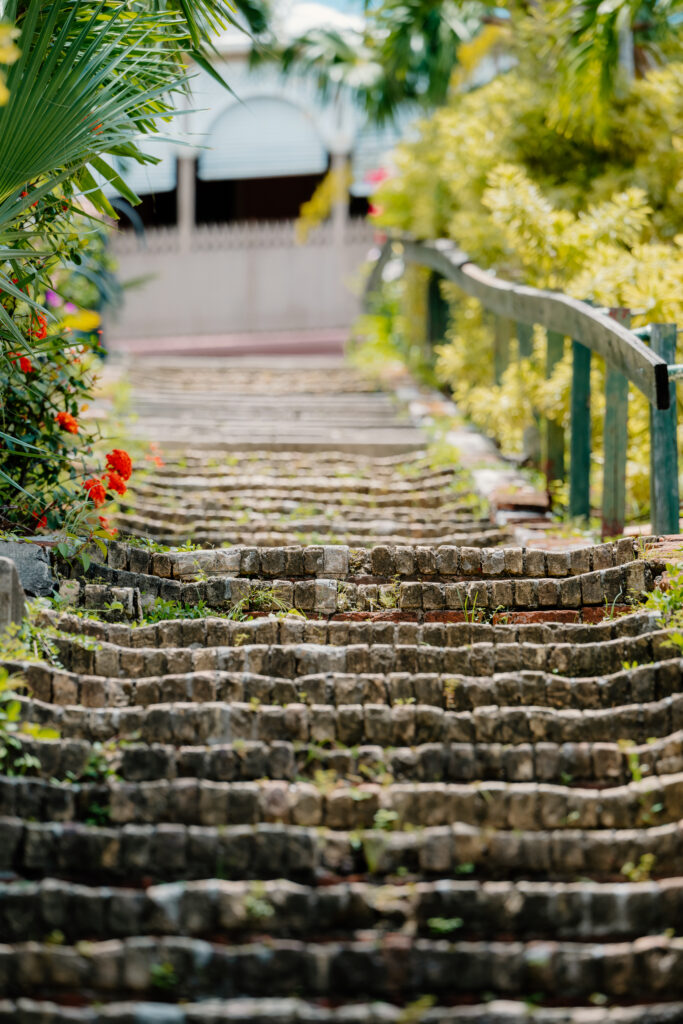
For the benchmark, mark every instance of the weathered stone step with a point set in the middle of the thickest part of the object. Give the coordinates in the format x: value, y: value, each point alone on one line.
x: 227, y: 480
x: 586, y: 911
x: 173, y: 852
x: 248, y: 760
x: 385, y: 562
x: 288, y: 1010
x: 182, y: 722
x: 398, y: 968
x: 214, y: 631
x: 328, y: 595
x: 211, y: 532
x: 291, y: 660
x: 452, y: 692
x: 338, y: 806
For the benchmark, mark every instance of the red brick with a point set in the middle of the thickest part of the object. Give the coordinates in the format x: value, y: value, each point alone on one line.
x: 598, y: 614
x: 546, y: 615
x: 448, y: 617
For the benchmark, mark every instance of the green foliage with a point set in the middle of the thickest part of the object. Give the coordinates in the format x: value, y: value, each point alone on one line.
x: 163, y: 975
x: 14, y: 760
x: 444, y: 925
x: 84, y: 82
x: 162, y: 610
x: 594, y: 217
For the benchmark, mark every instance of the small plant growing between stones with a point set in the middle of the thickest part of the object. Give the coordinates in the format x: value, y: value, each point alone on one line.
x: 444, y: 925
x: 256, y: 905
x: 14, y: 760
x: 163, y: 975
x: 470, y: 613
x: 640, y: 871
x: 99, y: 815
x: 386, y: 820
x: 162, y: 610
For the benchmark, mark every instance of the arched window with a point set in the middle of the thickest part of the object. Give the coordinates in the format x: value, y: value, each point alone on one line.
x: 250, y: 144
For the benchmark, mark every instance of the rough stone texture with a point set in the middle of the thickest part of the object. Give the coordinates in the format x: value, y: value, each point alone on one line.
x: 33, y: 565
x: 12, y: 605
x: 397, y: 759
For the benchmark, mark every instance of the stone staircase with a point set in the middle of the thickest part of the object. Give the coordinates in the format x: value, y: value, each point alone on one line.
x: 368, y: 775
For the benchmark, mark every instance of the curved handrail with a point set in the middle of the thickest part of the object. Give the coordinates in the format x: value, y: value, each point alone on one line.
x: 618, y: 346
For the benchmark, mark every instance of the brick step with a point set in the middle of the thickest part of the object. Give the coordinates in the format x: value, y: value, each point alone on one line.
x: 213, y: 631
x: 230, y: 524
x: 386, y: 562
x: 173, y: 852
x: 291, y: 660
x: 210, y: 532
x: 341, y: 806
x: 289, y: 1010
x: 569, y: 763
x: 396, y: 966
x: 352, y: 483
x: 461, y: 600
x: 454, y: 909
x: 206, y: 721
x: 453, y: 692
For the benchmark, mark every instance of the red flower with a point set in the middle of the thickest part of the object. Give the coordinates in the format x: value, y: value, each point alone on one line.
x: 115, y: 482
x: 120, y: 462
x: 25, y: 364
x: 67, y: 422
x: 111, y: 530
x: 41, y: 521
x: 42, y: 328
x: 96, y: 491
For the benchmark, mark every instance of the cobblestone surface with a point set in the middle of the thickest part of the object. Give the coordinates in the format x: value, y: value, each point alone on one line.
x: 403, y: 771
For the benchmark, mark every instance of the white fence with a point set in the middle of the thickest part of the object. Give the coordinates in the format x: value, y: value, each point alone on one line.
x: 223, y: 279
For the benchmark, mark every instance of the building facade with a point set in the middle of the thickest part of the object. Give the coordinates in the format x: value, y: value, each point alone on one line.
x: 218, y: 253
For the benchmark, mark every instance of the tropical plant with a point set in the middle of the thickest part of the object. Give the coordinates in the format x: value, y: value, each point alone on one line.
x: 84, y: 82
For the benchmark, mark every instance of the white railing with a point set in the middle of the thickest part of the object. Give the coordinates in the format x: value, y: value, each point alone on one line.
x: 244, y: 235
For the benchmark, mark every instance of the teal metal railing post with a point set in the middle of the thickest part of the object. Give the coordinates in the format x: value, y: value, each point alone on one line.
x: 664, y: 496
x: 615, y: 442
x: 502, y: 330
x: 525, y: 340
x: 580, y: 433
x: 437, y: 311
x: 554, y: 434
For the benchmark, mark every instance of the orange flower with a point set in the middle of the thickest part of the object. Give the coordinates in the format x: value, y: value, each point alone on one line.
x: 111, y: 530
x: 42, y: 329
x: 96, y: 491
x: 115, y: 482
x: 120, y: 462
x: 67, y: 422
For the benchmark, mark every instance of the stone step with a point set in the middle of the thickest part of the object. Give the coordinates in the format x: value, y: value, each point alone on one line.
x: 450, y: 693
x: 291, y: 660
x: 213, y: 631
x: 400, y: 967
x: 174, y: 852
x: 384, y: 562
x: 605, y: 763
x: 290, y: 1010
x: 453, y: 909
x: 341, y: 806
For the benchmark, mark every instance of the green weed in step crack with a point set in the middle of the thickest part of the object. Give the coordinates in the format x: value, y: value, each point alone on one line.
x: 99, y: 814
x: 162, y: 610
x: 640, y: 871
x: 14, y: 759
x: 444, y: 925
x: 163, y: 975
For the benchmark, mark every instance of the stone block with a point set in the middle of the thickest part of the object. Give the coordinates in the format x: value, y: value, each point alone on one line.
x: 12, y: 606
x: 32, y: 563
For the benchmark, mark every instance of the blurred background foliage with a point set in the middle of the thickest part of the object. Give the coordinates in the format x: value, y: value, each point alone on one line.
x: 565, y: 172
